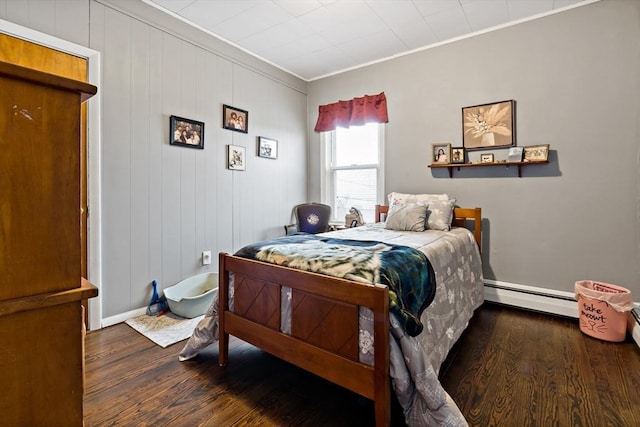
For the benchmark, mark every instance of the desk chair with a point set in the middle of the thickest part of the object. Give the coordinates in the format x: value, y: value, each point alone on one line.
x: 311, y: 218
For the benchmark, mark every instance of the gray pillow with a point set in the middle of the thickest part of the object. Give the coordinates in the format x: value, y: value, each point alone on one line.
x: 440, y: 214
x: 409, y: 217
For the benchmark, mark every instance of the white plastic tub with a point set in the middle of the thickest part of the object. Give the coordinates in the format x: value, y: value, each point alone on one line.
x: 191, y: 297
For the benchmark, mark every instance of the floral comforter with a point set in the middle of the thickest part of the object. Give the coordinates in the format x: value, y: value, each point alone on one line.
x: 415, y: 361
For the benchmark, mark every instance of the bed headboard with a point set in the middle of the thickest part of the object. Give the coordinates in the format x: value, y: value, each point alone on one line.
x: 460, y: 218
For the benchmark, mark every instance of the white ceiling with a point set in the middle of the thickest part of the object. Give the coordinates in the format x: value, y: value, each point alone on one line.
x: 316, y: 38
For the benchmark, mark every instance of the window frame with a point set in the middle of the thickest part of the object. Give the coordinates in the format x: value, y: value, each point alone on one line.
x: 328, y: 169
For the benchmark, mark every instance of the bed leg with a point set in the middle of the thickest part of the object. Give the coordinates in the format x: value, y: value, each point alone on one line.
x: 383, y: 413
x: 381, y: 344
x: 223, y: 307
x: 223, y: 349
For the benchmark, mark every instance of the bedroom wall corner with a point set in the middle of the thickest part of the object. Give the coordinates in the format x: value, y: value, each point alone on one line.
x: 557, y: 223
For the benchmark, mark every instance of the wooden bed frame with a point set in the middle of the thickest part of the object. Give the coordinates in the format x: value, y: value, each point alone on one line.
x: 324, y: 320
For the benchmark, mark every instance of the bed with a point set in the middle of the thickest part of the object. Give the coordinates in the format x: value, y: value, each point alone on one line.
x: 344, y: 331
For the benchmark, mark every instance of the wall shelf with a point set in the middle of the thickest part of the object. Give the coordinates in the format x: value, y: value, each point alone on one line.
x: 452, y: 166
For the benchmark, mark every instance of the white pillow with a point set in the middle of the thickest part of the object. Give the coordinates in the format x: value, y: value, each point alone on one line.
x: 440, y: 214
x: 402, y: 198
x: 409, y: 217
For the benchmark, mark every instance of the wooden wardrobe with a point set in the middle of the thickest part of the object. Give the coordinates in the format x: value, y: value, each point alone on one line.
x: 41, y: 289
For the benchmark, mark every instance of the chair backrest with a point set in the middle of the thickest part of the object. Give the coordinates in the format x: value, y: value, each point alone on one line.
x: 313, y: 217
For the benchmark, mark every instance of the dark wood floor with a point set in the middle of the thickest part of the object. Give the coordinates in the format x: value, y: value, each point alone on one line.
x: 510, y: 368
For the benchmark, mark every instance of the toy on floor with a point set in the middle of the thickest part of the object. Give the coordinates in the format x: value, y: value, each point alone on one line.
x: 158, y: 304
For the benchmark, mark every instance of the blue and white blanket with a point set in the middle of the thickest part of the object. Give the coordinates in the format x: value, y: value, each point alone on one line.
x: 415, y: 361
x: 406, y: 271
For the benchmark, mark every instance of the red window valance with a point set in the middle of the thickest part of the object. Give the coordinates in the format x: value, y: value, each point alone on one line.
x: 358, y: 111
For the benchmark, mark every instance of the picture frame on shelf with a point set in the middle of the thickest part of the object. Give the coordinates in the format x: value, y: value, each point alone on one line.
x: 235, y: 119
x: 536, y: 153
x: 515, y: 154
x: 267, y: 147
x: 441, y: 153
x: 236, y: 158
x: 489, y: 125
x: 457, y: 155
x: 486, y: 158
x: 186, y: 132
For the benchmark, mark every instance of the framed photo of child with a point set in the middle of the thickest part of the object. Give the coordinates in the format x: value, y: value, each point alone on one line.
x: 441, y: 153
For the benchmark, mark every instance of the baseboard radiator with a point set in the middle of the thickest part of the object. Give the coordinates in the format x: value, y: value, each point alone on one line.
x: 546, y: 301
x: 527, y: 297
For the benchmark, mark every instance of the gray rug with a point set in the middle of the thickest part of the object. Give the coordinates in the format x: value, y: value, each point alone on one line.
x: 164, y: 330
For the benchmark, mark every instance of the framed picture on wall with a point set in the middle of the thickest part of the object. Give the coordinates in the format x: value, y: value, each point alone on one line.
x: 235, y: 119
x: 441, y: 152
x: 186, y: 132
x: 457, y: 155
x: 236, y: 159
x: 267, y: 147
x: 489, y: 125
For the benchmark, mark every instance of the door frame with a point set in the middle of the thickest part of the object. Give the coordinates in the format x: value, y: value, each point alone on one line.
x: 94, y: 144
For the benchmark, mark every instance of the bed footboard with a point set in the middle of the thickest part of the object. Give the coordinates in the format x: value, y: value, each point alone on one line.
x: 324, y: 324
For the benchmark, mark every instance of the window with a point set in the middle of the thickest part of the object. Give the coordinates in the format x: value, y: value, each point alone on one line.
x: 353, y: 170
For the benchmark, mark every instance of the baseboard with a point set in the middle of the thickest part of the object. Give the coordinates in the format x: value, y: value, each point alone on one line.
x: 527, y: 297
x: 114, y: 320
x: 546, y: 301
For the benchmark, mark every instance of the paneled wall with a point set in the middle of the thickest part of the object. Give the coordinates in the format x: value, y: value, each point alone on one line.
x: 163, y: 205
x: 574, y: 76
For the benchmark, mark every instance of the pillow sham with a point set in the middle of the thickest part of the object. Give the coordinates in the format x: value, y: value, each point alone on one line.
x: 402, y: 198
x: 408, y: 217
x: 440, y: 214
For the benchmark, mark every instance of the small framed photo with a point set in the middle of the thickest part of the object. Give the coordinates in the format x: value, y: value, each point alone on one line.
x: 489, y: 125
x: 236, y: 159
x: 536, y: 153
x: 186, y: 132
x: 457, y: 155
x: 267, y: 147
x: 235, y: 119
x: 486, y: 158
x: 441, y: 152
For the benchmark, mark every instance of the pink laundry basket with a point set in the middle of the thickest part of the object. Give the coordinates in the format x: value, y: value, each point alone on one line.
x: 603, y: 309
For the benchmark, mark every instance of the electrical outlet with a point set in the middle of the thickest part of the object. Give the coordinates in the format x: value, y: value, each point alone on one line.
x: 206, y: 257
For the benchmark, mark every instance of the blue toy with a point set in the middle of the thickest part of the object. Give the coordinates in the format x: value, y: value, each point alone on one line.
x: 158, y: 304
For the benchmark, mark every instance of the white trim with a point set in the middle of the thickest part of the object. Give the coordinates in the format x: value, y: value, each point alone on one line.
x: 119, y: 318
x: 546, y: 301
x: 155, y: 5
x: 448, y: 41
x: 219, y: 37
x: 328, y: 168
x: 531, y: 298
x: 94, y: 187
x: 381, y: 196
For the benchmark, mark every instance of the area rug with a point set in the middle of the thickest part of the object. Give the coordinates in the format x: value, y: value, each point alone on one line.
x: 166, y: 329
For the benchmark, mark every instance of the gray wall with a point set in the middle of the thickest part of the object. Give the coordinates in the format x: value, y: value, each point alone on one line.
x: 163, y: 205
x: 574, y: 76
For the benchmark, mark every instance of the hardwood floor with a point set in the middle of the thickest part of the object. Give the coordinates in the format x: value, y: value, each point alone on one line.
x: 510, y: 368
